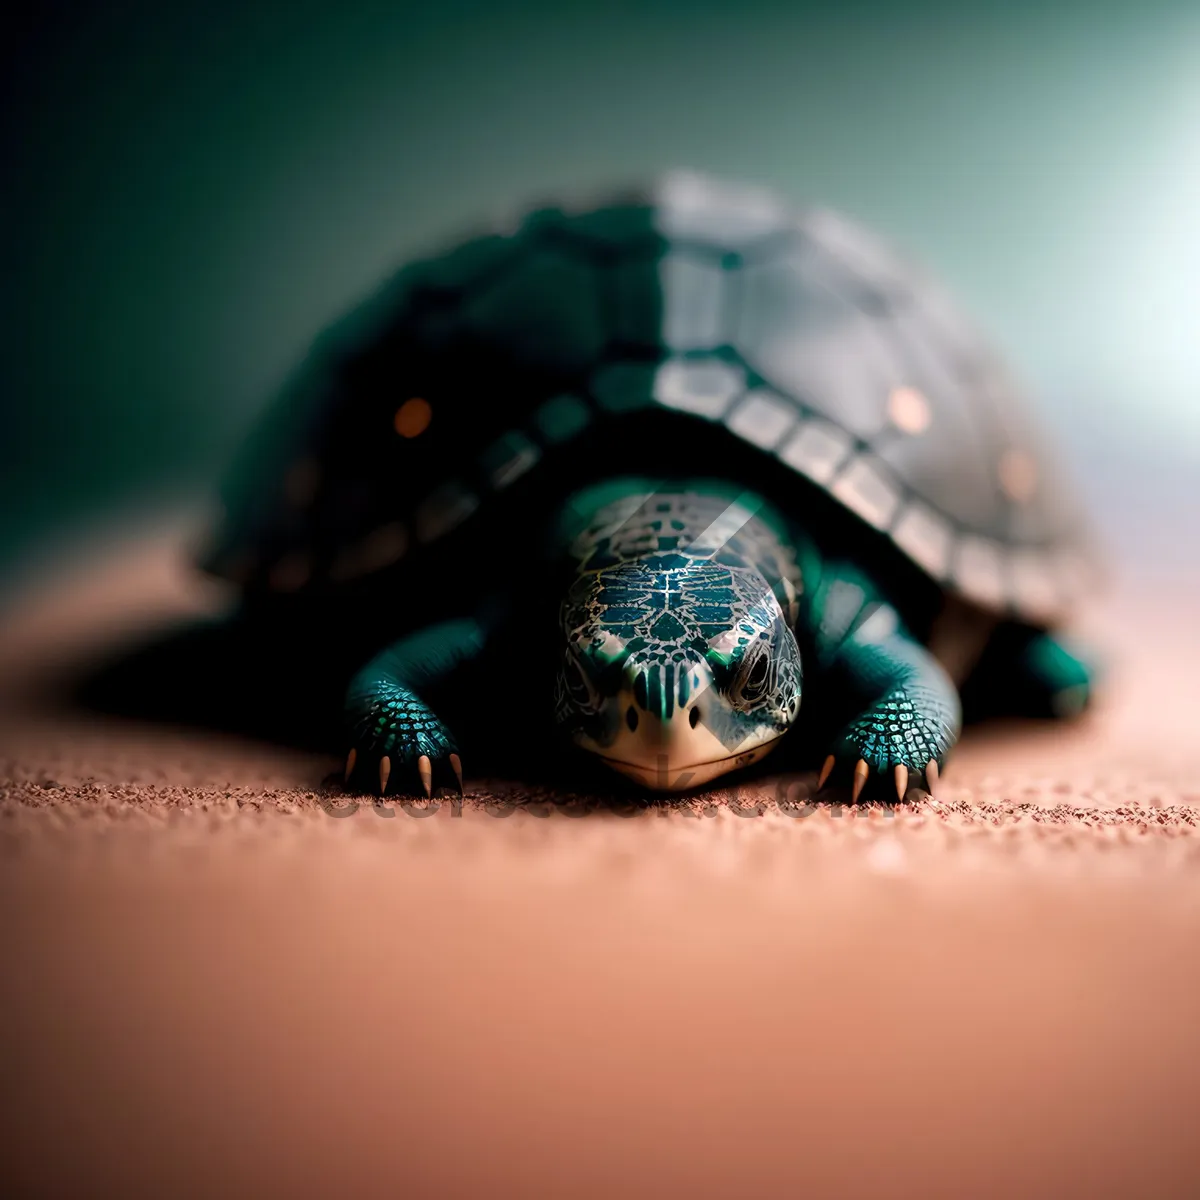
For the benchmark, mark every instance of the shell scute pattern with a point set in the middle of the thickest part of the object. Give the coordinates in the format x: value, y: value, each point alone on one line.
x: 731, y: 535
x: 797, y: 332
x: 545, y: 309
x: 665, y: 601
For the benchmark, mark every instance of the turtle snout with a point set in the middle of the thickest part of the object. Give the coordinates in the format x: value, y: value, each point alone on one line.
x: 661, y: 735
x: 670, y: 727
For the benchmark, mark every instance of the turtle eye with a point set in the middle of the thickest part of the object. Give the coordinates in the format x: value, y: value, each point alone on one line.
x: 575, y: 681
x: 754, y: 679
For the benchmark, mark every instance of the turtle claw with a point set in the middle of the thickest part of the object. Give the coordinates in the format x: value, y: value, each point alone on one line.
x: 826, y: 771
x: 902, y: 776
x: 894, y: 746
x: 400, y: 744
x: 861, y: 771
x: 395, y: 773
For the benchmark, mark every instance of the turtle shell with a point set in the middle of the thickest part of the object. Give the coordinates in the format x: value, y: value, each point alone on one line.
x: 690, y: 318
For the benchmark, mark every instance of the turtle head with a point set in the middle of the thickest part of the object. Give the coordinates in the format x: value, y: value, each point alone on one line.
x: 675, y: 674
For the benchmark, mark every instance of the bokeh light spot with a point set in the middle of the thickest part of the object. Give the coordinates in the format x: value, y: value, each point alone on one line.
x: 908, y: 410
x: 1018, y: 475
x: 412, y: 417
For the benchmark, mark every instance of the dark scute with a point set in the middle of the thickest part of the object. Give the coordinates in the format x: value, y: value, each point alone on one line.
x: 546, y: 309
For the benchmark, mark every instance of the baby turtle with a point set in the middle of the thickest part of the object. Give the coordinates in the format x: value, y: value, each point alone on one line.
x: 644, y: 472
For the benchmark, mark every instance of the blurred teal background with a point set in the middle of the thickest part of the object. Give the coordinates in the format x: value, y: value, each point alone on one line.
x: 192, y: 190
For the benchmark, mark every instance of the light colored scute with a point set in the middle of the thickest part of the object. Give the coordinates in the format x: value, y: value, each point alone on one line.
x: 864, y: 254
x: 692, y: 298
x: 706, y: 387
x: 925, y: 536
x: 979, y: 569
x: 694, y: 207
x: 801, y: 332
x: 865, y: 488
x: 762, y: 417
x: 951, y: 463
x: 816, y: 449
x: 1035, y: 584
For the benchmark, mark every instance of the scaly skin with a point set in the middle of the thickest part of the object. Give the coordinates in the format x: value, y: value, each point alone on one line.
x: 396, y: 737
x: 906, y: 711
x: 909, y: 729
x: 902, y: 712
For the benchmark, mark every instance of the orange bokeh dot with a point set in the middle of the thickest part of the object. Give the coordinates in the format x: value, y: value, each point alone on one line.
x: 412, y: 417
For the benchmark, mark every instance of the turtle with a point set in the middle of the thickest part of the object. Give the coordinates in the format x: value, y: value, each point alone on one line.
x: 633, y: 474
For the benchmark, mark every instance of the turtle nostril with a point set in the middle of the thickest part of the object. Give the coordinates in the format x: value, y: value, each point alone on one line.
x: 694, y: 716
x: 631, y: 718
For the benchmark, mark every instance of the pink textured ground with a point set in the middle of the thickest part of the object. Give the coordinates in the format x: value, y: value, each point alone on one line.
x: 214, y: 986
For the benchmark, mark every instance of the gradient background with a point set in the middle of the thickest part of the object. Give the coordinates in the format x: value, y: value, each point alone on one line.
x: 193, y: 189
x: 210, y: 987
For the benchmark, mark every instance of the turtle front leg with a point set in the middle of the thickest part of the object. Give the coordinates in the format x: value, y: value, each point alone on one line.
x: 397, y: 740
x: 1028, y: 672
x: 906, y: 709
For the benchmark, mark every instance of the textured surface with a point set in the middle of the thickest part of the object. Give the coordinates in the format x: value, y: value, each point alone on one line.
x: 214, y: 985
x: 705, y: 307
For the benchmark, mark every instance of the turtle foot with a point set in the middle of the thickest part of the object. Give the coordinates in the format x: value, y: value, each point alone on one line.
x: 901, y: 776
x: 391, y: 772
x: 399, y: 745
x: 895, y: 745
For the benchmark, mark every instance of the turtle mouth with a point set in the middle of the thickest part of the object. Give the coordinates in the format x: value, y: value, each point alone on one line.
x: 663, y: 775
